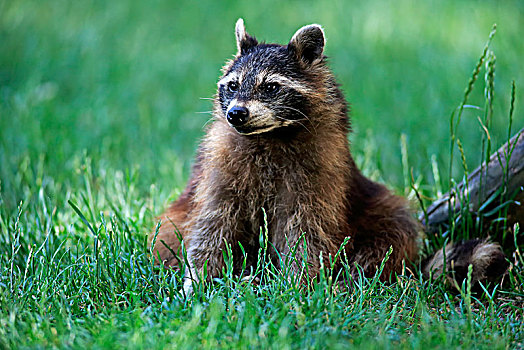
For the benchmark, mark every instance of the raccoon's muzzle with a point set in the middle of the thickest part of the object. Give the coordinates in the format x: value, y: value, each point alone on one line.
x: 237, y: 116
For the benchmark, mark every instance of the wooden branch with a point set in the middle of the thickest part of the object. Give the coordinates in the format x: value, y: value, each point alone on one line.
x: 494, y: 183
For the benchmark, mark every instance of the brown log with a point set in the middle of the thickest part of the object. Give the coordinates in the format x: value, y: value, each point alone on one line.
x: 509, y: 160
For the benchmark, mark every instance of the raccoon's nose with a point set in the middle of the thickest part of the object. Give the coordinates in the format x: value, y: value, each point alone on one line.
x: 237, y: 116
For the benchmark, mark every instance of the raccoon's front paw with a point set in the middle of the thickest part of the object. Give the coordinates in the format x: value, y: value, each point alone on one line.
x: 253, y: 280
x: 188, y: 286
x: 189, y: 277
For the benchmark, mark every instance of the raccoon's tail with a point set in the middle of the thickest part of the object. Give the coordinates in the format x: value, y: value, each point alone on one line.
x: 487, y: 259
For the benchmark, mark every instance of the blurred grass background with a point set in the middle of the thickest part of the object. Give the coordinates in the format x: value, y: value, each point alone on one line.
x: 122, y: 81
x: 100, y: 107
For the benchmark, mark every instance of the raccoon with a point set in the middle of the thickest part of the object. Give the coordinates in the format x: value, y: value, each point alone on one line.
x: 277, y: 154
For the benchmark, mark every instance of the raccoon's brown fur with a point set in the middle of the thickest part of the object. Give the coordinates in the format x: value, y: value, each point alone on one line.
x: 279, y: 144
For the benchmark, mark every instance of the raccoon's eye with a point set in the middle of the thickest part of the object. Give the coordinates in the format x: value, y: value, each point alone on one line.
x: 232, y: 86
x: 271, y: 88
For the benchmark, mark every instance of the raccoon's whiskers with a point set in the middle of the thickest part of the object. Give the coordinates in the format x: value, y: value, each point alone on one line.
x: 208, y: 121
x: 298, y: 111
x: 298, y: 120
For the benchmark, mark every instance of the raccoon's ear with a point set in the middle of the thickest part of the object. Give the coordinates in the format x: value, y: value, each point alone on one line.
x: 244, y: 40
x: 308, y: 43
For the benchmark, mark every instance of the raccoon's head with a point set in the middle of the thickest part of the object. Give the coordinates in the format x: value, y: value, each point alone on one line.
x: 270, y: 86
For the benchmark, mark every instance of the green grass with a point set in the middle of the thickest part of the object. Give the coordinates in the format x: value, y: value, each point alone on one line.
x: 99, y: 121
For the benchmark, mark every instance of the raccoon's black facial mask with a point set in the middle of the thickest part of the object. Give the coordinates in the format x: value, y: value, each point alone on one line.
x: 265, y: 87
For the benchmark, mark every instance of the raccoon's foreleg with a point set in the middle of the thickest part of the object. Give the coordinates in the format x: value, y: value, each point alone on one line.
x: 208, y: 239
x: 300, y: 243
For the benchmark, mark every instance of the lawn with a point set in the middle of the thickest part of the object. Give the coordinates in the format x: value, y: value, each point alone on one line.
x: 102, y: 105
